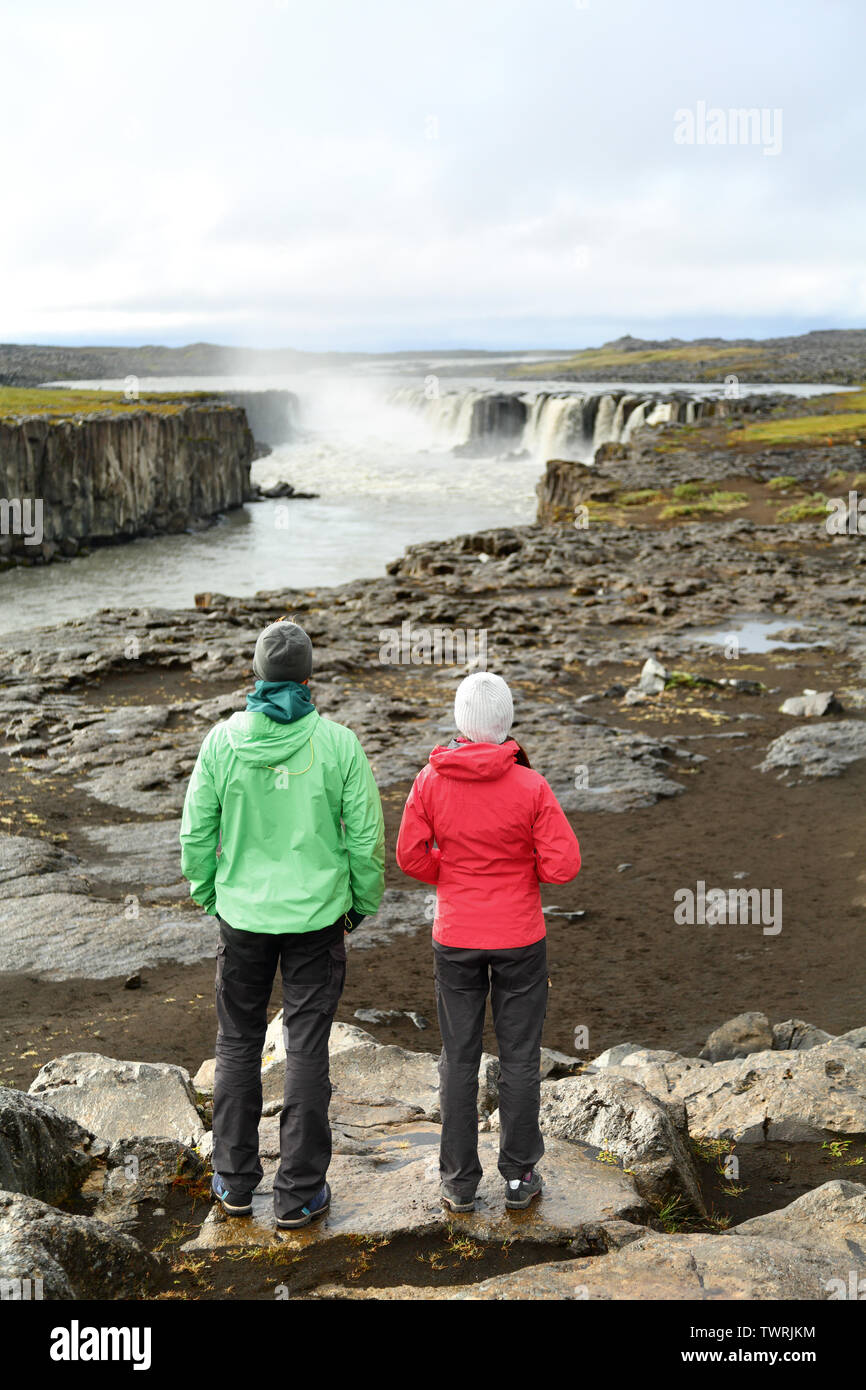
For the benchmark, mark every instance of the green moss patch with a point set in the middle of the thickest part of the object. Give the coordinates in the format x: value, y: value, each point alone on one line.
x: 60, y: 404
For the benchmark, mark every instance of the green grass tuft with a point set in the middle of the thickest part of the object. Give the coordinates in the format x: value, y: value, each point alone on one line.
x: 701, y: 506
x: 807, y: 510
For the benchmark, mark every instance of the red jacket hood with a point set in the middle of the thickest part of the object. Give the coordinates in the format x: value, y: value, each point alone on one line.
x: 474, y: 762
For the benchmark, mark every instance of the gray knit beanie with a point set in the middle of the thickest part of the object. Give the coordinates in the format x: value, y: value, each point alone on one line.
x: 483, y: 709
x: 284, y: 652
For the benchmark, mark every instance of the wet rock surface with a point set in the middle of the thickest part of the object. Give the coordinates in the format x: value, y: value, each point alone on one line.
x: 394, y: 1189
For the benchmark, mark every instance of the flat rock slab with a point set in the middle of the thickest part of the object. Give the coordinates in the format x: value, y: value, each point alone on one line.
x: 678, y: 1267
x: 29, y: 866
x: 394, y: 1190
x: 595, y: 768
x: 63, y: 936
x: 122, y: 1100
x: 140, y: 853
x: 823, y: 750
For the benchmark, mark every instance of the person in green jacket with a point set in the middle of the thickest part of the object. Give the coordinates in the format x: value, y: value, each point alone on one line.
x: 282, y: 840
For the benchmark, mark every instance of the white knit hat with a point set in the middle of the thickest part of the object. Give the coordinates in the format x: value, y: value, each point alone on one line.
x: 483, y: 709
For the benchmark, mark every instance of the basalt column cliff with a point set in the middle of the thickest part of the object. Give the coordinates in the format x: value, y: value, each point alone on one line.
x: 77, y: 481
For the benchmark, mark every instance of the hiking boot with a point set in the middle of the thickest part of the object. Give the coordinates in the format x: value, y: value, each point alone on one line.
x: 519, y: 1192
x: 317, y: 1206
x: 450, y: 1200
x: 232, y: 1203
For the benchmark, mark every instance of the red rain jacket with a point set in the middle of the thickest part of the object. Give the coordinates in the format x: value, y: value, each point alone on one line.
x: 486, y: 831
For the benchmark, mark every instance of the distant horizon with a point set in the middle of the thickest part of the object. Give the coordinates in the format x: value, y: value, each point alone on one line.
x: 663, y: 332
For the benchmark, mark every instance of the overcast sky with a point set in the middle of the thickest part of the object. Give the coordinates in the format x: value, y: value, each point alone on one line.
x: 393, y: 174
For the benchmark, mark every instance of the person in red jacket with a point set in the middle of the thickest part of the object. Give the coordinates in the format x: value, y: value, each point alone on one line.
x: 486, y: 829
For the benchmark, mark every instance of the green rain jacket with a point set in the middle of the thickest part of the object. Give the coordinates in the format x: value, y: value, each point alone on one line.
x: 282, y: 827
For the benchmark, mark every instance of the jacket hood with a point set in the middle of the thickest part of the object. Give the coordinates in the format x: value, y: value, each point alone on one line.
x: 256, y: 738
x: 474, y: 762
x: 284, y: 701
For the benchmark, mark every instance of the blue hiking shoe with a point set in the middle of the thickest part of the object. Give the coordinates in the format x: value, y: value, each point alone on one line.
x: 520, y: 1192
x: 232, y: 1203
x: 317, y: 1206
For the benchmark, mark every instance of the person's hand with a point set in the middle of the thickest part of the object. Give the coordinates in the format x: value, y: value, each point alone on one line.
x: 352, y: 920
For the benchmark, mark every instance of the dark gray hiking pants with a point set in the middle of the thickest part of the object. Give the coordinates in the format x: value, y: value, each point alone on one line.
x: 313, y: 966
x: 517, y: 982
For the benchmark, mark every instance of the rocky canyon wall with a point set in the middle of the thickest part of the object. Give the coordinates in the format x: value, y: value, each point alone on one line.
x: 68, y: 483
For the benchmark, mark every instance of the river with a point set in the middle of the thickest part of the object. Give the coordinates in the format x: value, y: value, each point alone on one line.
x: 384, y: 478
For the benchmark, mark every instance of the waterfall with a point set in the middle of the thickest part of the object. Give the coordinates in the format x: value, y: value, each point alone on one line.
x: 636, y: 418
x: 605, y: 417
x: 555, y: 428
x: 550, y: 425
x: 624, y: 408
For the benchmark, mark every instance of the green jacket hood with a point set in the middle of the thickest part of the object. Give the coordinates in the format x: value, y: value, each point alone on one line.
x: 256, y: 738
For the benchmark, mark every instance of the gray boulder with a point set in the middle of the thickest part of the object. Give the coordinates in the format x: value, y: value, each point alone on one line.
x: 811, y: 704
x: 43, y: 1153
x: 856, y: 1037
x: 738, y: 1037
x: 375, y: 1073
x: 122, y: 1100
x: 794, y: 1035
x: 617, y: 1116
x: 613, y: 1056
x: 793, y: 1097
x: 555, y: 1064
x: 659, y: 1070
x: 830, y: 1218
x: 75, y: 1257
x: 816, y: 750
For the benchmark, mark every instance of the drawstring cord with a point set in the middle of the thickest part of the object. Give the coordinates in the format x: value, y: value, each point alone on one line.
x: 303, y: 769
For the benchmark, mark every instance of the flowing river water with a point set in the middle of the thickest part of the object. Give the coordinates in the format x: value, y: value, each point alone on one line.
x: 381, y: 456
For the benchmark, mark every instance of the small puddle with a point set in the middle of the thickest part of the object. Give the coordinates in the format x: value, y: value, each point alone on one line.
x: 751, y: 634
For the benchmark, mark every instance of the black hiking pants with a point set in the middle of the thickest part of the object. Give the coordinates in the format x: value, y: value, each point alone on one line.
x: 516, y: 980
x: 313, y: 967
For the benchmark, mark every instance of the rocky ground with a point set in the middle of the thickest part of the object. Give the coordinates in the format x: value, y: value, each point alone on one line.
x: 104, y: 1169
x: 680, y: 759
